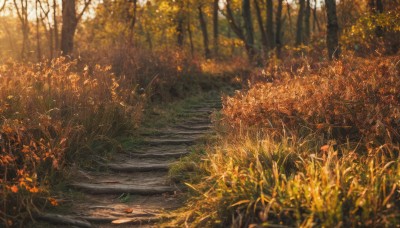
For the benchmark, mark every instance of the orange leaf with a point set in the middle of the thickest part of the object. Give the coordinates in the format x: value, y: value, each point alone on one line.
x: 34, y: 190
x: 7, y: 129
x: 128, y: 210
x: 325, y: 148
x: 25, y: 149
x: 53, y: 201
x: 14, y: 188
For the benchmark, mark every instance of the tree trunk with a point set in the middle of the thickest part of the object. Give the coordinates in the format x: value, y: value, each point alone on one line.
x: 299, y: 29
x: 133, y: 22
x: 235, y: 28
x: 307, y: 31
x: 215, y: 26
x: 379, y: 6
x: 278, y: 35
x: 315, y: 17
x: 149, y: 40
x: 246, y: 13
x: 378, y: 9
x: 290, y: 17
x: 264, y: 40
x: 332, y: 39
x: 229, y: 35
x: 203, y: 26
x: 270, y: 25
x: 70, y: 22
x: 371, y: 6
x: 47, y: 27
x: 189, y: 30
x: 22, y: 12
x: 51, y: 46
x: 180, y: 34
x: 25, y: 42
x: 231, y: 20
x: 68, y: 27
x: 179, y: 25
x: 56, y: 38
x: 38, y: 49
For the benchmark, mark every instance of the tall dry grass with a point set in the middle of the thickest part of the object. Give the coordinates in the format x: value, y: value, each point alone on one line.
x: 305, y: 146
x: 50, y: 114
x: 292, y: 182
x: 355, y: 98
x: 169, y: 74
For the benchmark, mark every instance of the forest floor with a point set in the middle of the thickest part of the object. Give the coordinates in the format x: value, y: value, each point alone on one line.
x: 133, y: 187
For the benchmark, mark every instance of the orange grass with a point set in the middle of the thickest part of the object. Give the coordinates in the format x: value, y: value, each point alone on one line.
x: 49, y: 115
x: 305, y: 146
x: 356, y: 98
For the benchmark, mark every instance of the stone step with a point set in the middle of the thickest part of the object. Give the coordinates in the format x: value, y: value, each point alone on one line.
x: 123, y: 188
x: 127, y: 163
x: 190, y: 113
x: 208, y: 104
x: 169, y: 141
x: 198, y: 127
x: 154, y: 178
x: 177, y: 132
x: 138, y: 167
x: 156, y: 154
x: 158, y: 149
x: 195, y: 121
x: 207, y: 110
x: 86, y: 221
x: 203, y: 109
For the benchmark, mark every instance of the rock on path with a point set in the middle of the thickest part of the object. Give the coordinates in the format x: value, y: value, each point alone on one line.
x: 133, y: 189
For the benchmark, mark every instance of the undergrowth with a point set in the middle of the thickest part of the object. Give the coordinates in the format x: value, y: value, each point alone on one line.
x: 168, y: 75
x: 51, y: 115
x: 317, y: 148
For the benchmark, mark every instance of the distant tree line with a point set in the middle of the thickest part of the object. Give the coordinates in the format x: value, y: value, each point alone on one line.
x: 262, y: 27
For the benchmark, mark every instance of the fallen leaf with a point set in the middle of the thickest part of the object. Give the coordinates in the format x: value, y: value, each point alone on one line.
x: 128, y: 210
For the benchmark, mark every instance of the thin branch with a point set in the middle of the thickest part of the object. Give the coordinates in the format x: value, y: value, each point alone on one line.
x: 45, y: 12
x: 18, y: 12
x: 3, y: 6
x: 87, y: 3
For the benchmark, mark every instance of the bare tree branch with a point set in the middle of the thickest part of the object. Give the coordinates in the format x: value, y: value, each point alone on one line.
x: 86, y: 5
x: 18, y: 11
x: 3, y: 6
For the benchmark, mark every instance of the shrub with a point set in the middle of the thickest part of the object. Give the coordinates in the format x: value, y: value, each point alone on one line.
x: 51, y: 113
x: 354, y: 98
x: 165, y: 75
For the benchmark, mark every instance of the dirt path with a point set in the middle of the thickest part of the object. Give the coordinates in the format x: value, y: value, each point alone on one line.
x: 133, y: 187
